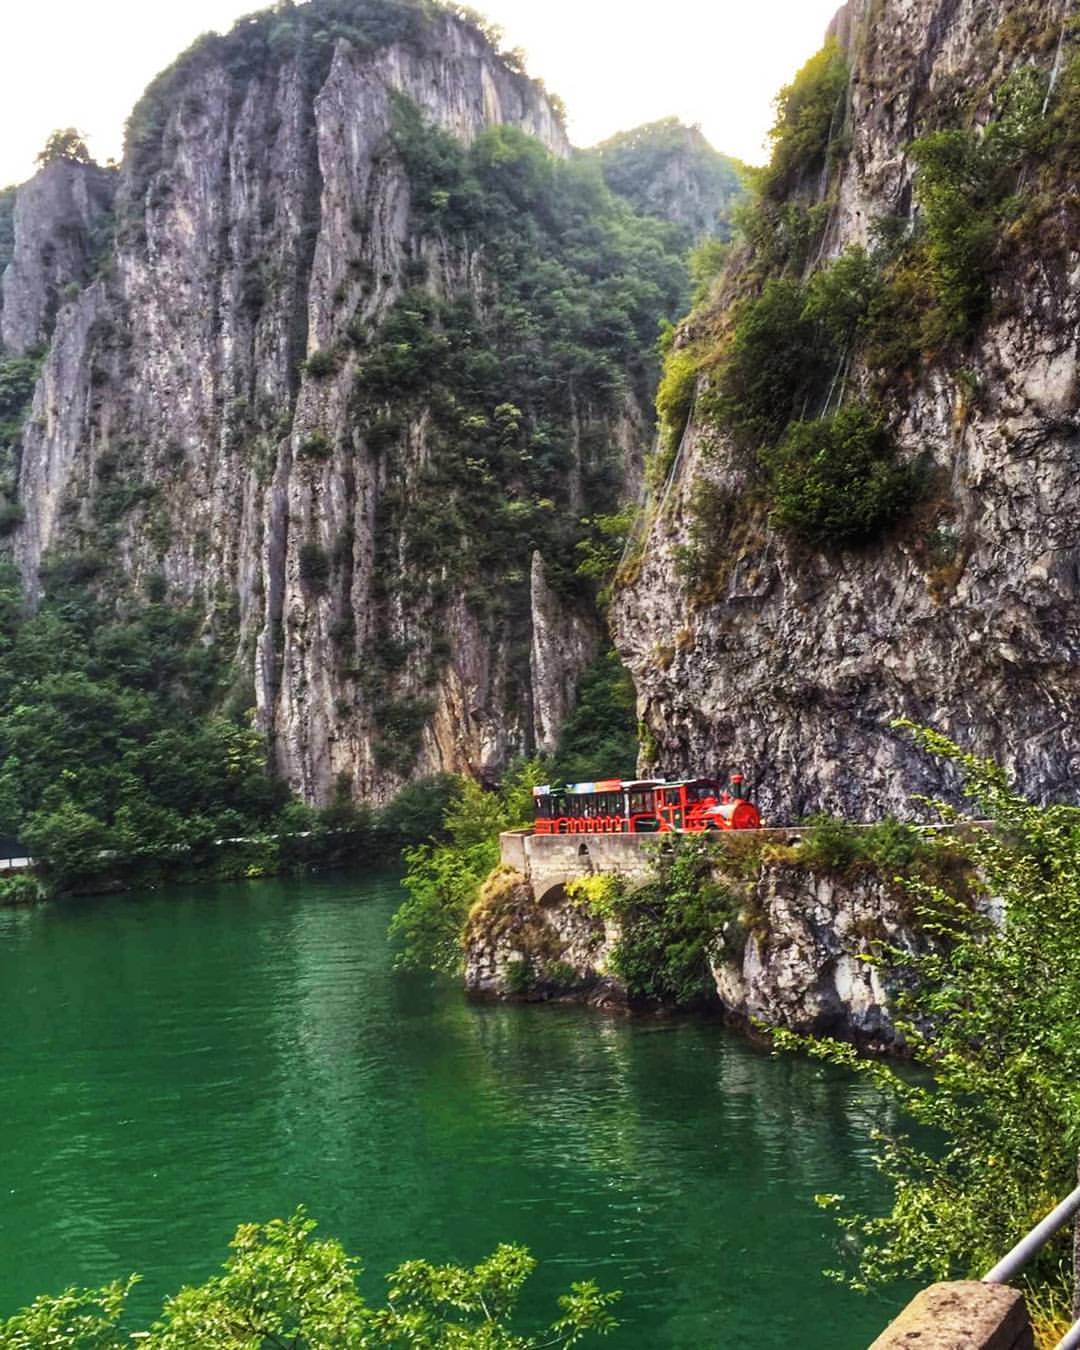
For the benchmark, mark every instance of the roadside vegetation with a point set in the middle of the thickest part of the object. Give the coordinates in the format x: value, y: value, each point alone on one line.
x: 283, y: 1287
x: 986, y: 1142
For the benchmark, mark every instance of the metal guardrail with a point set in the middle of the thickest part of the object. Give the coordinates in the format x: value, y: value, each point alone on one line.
x: 1014, y: 1261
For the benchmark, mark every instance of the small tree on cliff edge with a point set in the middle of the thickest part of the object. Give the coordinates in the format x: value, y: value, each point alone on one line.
x: 992, y: 1012
x: 66, y: 143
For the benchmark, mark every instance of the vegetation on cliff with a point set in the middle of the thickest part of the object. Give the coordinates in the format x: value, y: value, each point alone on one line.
x: 282, y: 1286
x: 645, y: 165
x: 986, y: 1144
x: 517, y: 385
x: 787, y: 352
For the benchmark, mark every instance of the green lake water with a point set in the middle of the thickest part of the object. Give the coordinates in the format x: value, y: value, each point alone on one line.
x: 175, y: 1063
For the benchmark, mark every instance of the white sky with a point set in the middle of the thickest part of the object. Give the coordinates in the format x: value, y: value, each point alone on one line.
x: 616, y: 63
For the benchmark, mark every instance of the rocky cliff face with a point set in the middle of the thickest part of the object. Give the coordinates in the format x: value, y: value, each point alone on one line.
x: 795, y: 958
x: 790, y: 661
x: 201, y: 425
x: 60, y: 224
x: 670, y: 170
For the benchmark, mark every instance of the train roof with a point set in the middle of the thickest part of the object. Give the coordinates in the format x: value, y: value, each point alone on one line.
x: 617, y: 785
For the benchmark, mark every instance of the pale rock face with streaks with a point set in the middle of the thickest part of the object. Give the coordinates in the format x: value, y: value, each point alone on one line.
x: 276, y: 214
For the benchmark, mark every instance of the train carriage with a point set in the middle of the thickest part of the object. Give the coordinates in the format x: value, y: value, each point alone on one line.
x: 643, y: 806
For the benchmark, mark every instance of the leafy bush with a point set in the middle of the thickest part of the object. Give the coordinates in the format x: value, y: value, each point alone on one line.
x: 600, y: 552
x: 839, y: 297
x: 809, y: 112
x: 21, y: 888
x: 416, y: 813
x: 282, y: 1286
x: 399, y: 726
x: 771, y: 367
x: 675, y: 392
x: 831, y: 844
x: 669, y: 925
x: 321, y: 363
x: 836, y: 482
x: 316, y: 445
x: 18, y: 375
x: 708, y: 258
x: 983, y: 1143
x: 444, y: 879
x: 604, y: 894
x: 313, y: 562
x: 12, y: 515
x: 66, y: 144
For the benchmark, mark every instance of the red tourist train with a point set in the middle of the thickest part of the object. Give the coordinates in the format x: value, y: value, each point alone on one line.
x: 648, y: 805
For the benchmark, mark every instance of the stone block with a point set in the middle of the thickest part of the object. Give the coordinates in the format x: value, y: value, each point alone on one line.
x: 961, y: 1315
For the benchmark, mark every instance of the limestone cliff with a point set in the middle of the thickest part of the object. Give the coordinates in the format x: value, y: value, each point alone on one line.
x: 797, y: 954
x: 788, y: 660
x: 269, y: 400
x: 670, y: 170
x: 60, y: 223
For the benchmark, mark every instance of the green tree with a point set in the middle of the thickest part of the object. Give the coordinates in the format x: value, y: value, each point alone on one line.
x: 990, y: 1012
x: 809, y: 116
x: 836, y: 481
x: 444, y: 879
x: 284, y: 1289
x: 65, y: 143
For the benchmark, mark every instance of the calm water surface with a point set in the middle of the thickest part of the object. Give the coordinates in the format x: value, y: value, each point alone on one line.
x: 176, y: 1063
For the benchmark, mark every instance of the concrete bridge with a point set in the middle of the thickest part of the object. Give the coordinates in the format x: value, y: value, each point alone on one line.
x: 549, y: 861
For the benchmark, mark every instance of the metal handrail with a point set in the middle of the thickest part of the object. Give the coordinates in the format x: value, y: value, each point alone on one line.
x: 1014, y: 1261
x: 1071, y: 1339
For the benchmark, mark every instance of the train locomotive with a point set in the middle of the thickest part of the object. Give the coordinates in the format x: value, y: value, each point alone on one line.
x: 644, y: 806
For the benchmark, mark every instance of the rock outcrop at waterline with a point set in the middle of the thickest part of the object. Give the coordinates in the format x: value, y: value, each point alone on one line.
x: 789, y: 660
x: 796, y: 957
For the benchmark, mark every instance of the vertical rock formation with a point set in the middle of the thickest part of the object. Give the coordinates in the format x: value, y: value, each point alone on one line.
x: 789, y: 659
x: 211, y: 418
x: 61, y: 222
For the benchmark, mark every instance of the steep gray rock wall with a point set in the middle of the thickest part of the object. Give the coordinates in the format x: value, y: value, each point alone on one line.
x: 793, y: 664
x: 61, y: 220
x: 564, y: 641
x: 795, y: 958
x: 262, y: 211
